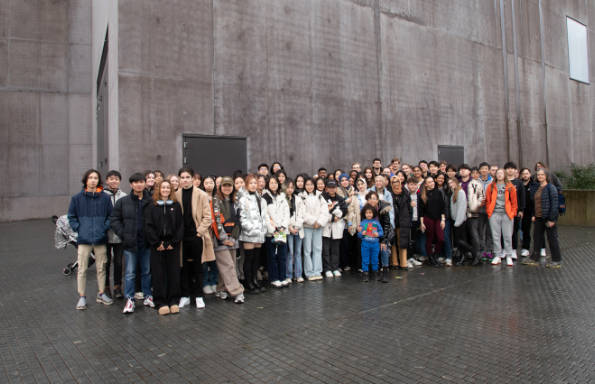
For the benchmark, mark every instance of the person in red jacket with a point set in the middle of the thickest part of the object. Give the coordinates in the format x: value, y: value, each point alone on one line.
x: 501, y: 207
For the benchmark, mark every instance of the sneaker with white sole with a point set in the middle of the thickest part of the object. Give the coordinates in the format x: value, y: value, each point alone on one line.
x: 81, y: 303
x: 409, y: 264
x: 496, y: 260
x: 287, y: 281
x: 239, y: 299
x: 509, y: 260
x: 542, y: 252
x: 148, y: 302
x: 525, y: 252
x: 184, y: 301
x: 417, y: 263
x: 300, y: 279
x: 328, y: 274
x: 223, y: 295
x: 207, y: 290
x: 129, y: 307
x: 104, y: 299
x: 449, y: 262
x: 200, y: 303
x: 139, y: 296
x: 441, y: 260
x: 514, y: 254
x: 276, y: 284
x: 337, y: 273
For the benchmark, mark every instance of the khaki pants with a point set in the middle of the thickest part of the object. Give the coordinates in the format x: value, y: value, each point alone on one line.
x: 228, y: 277
x: 83, y: 251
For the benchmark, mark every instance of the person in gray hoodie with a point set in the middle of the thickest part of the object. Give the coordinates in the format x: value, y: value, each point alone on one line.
x: 458, y: 212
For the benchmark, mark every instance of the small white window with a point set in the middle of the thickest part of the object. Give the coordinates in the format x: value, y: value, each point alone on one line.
x: 578, y: 56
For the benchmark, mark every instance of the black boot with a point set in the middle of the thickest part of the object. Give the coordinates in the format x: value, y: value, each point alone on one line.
x: 365, y: 277
x: 379, y: 274
x: 476, y: 260
x: 384, y: 275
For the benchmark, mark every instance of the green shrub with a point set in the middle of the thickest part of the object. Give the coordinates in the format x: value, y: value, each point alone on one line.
x: 581, y: 177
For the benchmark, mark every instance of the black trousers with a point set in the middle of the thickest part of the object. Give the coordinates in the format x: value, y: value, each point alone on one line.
x: 191, y: 279
x: 115, y: 253
x: 251, y: 264
x: 552, y: 238
x: 473, y: 225
x: 330, y: 253
x: 526, y: 228
x: 348, y: 247
x: 460, y: 238
x: 165, y: 276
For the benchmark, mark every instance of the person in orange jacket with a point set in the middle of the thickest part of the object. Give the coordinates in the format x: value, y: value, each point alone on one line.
x: 501, y: 207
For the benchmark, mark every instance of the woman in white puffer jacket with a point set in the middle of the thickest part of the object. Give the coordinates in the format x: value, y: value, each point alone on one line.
x: 316, y: 217
x: 253, y: 222
x: 277, y: 221
x: 295, y: 233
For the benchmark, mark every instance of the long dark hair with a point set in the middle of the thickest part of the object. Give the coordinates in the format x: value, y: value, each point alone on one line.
x: 86, y: 177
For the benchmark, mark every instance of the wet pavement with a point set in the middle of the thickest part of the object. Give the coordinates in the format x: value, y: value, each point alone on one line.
x: 463, y: 325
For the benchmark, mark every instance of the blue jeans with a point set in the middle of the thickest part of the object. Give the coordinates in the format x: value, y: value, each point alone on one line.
x: 447, y: 249
x: 385, y: 255
x: 277, y: 254
x: 294, y: 257
x: 370, y: 250
x: 312, y: 252
x: 210, y: 273
x: 143, y: 255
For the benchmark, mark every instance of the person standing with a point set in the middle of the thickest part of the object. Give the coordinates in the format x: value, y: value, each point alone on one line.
x: 511, y: 171
x: 402, y: 207
x: 528, y: 212
x: 369, y: 231
x: 545, y: 217
x: 295, y: 233
x: 197, y: 245
x: 164, y: 230
x: 433, y: 218
x: 501, y: 208
x: 115, y: 252
x: 332, y: 234
x: 127, y: 221
x: 277, y: 222
x: 88, y: 215
x: 316, y: 216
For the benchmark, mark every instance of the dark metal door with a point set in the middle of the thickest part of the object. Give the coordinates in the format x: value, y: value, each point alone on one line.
x: 452, y: 154
x: 215, y: 155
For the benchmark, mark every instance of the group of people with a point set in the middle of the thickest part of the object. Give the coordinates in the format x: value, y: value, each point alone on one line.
x: 174, y: 239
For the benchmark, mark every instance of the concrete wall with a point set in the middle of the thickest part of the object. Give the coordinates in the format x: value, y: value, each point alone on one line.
x: 316, y: 82
x: 45, y: 104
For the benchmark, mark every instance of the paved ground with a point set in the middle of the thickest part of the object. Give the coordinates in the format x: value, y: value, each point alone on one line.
x: 462, y: 325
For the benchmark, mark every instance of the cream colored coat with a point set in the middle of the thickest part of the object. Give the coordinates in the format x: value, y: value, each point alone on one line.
x: 201, y: 213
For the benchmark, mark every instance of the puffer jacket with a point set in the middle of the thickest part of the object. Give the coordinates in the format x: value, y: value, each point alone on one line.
x: 549, y: 201
x: 475, y: 198
x: 334, y: 228
x: 385, y: 211
x: 252, y: 218
x: 88, y: 215
x: 277, y: 214
x: 124, y: 216
x: 164, y: 224
x: 315, y: 210
x: 112, y: 238
x: 403, y: 209
x: 510, y: 199
x: 296, y: 219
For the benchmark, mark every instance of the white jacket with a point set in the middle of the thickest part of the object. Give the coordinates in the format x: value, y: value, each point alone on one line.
x: 334, y: 228
x: 315, y: 210
x: 277, y: 214
x: 297, y: 219
x: 475, y: 198
x: 252, y: 220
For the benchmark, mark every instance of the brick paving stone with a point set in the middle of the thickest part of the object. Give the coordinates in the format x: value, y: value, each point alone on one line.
x: 460, y: 325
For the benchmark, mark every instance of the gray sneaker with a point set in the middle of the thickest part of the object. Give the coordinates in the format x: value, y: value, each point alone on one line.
x: 239, y: 299
x: 82, y: 303
x: 554, y: 265
x: 104, y: 299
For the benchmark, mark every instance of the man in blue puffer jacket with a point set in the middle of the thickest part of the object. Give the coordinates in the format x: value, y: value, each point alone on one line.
x: 88, y: 215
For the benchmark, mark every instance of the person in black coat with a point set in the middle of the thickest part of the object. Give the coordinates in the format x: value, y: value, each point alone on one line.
x: 402, y: 207
x: 164, y: 229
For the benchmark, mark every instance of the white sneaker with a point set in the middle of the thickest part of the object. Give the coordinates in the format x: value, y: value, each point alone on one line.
x: 287, y: 281
x: 207, y: 290
x: 509, y: 260
x: 239, y: 299
x: 415, y: 262
x: 148, y: 302
x: 409, y: 264
x: 300, y: 279
x: 337, y: 273
x: 200, y: 303
x: 129, y: 307
x: 223, y: 295
x: 422, y: 259
x: 276, y: 284
x: 184, y: 301
x: 496, y: 260
x: 81, y: 303
x: 514, y: 255
x: 139, y: 296
x: 449, y: 262
x: 328, y: 274
x: 441, y: 259
x: 542, y: 253
x: 525, y: 252
x: 214, y: 288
